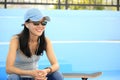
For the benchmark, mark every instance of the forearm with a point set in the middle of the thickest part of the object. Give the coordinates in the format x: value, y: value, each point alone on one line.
x: 15, y: 70
x: 55, y: 67
x: 52, y: 68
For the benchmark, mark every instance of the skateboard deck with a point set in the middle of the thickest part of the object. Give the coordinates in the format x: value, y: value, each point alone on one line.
x: 84, y: 76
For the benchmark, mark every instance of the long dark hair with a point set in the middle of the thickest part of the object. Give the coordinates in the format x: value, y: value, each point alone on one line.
x: 24, y: 39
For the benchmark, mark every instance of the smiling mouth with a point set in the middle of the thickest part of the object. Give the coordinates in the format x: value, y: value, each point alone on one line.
x: 38, y: 29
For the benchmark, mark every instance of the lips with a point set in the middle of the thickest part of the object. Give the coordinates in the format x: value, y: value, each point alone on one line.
x: 38, y: 30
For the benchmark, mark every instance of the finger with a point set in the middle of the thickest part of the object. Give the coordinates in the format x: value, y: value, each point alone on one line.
x: 45, y: 78
x: 41, y: 77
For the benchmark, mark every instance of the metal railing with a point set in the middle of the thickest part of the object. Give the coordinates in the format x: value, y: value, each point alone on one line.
x: 65, y: 3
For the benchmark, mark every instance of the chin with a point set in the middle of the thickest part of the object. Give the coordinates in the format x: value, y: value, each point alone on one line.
x: 39, y: 34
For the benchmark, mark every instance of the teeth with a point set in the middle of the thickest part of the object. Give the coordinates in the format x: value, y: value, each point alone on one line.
x: 38, y: 30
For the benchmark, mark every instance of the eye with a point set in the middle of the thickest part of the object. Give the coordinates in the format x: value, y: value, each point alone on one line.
x: 36, y: 23
x: 44, y: 23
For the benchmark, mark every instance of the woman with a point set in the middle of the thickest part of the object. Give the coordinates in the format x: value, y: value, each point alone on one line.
x: 26, y: 48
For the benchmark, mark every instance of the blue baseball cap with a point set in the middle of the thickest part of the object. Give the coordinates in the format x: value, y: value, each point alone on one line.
x: 35, y: 15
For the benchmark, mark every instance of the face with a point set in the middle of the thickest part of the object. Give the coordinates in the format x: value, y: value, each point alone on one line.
x: 36, y: 27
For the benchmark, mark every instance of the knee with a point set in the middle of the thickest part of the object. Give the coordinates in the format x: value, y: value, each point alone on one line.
x: 57, y: 76
x: 13, y: 77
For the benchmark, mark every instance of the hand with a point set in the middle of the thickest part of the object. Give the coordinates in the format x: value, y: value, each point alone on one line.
x: 41, y: 75
x: 41, y: 78
x: 34, y: 73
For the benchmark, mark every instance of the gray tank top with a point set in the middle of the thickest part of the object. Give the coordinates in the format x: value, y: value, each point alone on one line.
x: 26, y: 63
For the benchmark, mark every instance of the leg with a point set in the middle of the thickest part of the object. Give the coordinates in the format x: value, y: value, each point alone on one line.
x: 13, y: 77
x: 84, y: 78
x: 55, y: 76
x: 25, y: 78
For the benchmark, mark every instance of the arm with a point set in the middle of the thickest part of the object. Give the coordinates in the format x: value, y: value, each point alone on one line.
x: 51, y: 56
x: 10, y: 68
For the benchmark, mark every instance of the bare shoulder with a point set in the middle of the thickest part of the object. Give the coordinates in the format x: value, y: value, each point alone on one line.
x: 14, y: 40
x: 47, y: 40
x: 14, y: 37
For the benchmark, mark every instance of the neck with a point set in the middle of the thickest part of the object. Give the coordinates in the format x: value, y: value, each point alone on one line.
x: 33, y: 39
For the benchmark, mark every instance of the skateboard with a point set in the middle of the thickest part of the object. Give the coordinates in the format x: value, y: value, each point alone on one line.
x: 83, y: 76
